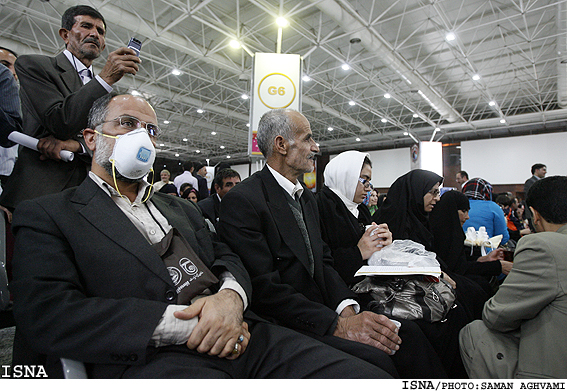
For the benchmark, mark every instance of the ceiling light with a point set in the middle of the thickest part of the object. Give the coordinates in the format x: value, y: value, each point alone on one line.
x: 476, y: 77
x: 330, y: 129
x: 136, y: 93
x: 176, y: 155
x: 384, y: 120
x: 437, y: 129
x: 502, y: 121
x: 222, y: 147
x: 234, y: 44
x: 228, y: 157
x: 184, y: 139
x: 200, y: 111
x: 248, y: 125
x: 166, y: 121
x: 352, y: 103
x: 406, y: 133
x: 387, y: 96
x: 213, y: 133
x: 492, y: 103
x: 450, y: 37
x: 282, y: 22
x: 244, y: 96
x: 346, y: 67
x: 306, y: 78
x: 415, y: 115
x: 317, y: 144
x: 161, y: 144
x: 198, y: 151
x: 176, y: 72
x: 357, y: 139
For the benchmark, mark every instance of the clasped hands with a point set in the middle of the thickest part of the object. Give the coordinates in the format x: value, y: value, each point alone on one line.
x: 220, y: 325
x: 369, y: 328
x: 373, y: 239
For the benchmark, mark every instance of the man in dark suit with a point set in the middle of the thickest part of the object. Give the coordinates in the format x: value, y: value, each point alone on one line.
x: 224, y: 180
x: 200, y: 171
x: 271, y: 221
x: 98, y: 276
x: 56, y: 94
x: 539, y: 170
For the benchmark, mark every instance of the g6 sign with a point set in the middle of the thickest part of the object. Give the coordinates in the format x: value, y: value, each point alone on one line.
x: 276, y: 91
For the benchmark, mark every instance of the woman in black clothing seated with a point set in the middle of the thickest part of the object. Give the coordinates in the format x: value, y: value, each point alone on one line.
x: 446, y: 222
x: 343, y: 222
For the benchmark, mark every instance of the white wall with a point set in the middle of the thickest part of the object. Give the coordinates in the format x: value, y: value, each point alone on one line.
x: 509, y: 160
x: 241, y: 169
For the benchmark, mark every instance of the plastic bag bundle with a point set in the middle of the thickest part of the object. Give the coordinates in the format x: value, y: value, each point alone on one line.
x: 404, y: 253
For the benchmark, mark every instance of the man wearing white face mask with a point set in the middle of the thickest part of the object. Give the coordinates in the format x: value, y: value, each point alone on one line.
x: 132, y: 283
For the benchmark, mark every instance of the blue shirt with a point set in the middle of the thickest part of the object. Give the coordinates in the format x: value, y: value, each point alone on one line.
x: 490, y: 215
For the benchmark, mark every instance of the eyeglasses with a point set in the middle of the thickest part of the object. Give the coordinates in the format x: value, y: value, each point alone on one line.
x: 435, y: 192
x: 365, y: 183
x: 131, y: 123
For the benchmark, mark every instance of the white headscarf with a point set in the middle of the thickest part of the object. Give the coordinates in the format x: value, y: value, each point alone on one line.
x: 342, y: 174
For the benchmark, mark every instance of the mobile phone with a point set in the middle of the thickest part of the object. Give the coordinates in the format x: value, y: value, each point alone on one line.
x: 135, y: 45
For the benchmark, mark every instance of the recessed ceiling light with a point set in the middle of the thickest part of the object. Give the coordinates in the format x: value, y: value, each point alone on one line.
x: 166, y: 121
x: 282, y: 22
x: 244, y: 96
x: 176, y: 72
x: 330, y: 129
x: 198, y: 151
x: 492, y: 103
x: 387, y: 96
x: 222, y: 147
x: 161, y: 144
x: 228, y: 157
x: 306, y: 78
x: 502, y: 121
x: 248, y: 125
x: 317, y: 144
x: 213, y: 133
x: 200, y: 111
x: 185, y: 139
x: 346, y: 67
x: 357, y: 139
x: 352, y: 103
x: 384, y: 120
x: 176, y: 155
x: 136, y: 93
x: 234, y: 44
x: 476, y: 77
x: 450, y: 37
x: 437, y: 129
x: 406, y: 133
x: 415, y: 115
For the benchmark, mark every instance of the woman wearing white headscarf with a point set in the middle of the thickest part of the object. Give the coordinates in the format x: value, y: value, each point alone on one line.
x: 344, y: 217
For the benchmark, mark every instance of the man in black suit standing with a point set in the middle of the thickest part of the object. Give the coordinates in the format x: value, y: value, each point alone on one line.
x: 132, y: 282
x: 272, y: 222
x: 56, y: 94
x: 224, y: 180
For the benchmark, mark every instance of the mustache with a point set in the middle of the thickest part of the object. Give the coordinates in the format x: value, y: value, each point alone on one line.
x: 92, y: 41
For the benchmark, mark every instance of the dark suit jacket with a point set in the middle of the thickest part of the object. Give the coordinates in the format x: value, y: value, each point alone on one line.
x: 203, y: 187
x: 258, y: 224
x: 528, y: 184
x: 211, y: 207
x: 54, y: 102
x: 88, y: 286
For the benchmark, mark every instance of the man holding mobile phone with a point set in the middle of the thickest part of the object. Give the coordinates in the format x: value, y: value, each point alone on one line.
x: 56, y: 94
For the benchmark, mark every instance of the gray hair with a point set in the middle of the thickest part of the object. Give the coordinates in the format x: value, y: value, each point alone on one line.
x: 272, y: 124
x: 99, y: 110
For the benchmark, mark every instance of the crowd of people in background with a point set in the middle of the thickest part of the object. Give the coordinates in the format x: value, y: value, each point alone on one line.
x: 255, y: 278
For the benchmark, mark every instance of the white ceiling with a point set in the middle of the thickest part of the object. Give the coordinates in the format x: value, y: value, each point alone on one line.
x: 515, y: 46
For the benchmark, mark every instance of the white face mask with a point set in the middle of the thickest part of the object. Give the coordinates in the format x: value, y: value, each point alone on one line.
x: 133, y: 154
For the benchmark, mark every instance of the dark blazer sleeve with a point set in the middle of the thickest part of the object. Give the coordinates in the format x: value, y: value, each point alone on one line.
x: 283, y: 290
x: 95, y: 310
x: 63, y: 105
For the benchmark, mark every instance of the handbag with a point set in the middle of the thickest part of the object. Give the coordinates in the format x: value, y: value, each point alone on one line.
x: 408, y: 298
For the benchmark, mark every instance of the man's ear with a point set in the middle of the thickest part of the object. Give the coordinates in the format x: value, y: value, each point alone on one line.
x: 64, y: 33
x: 89, y: 136
x: 280, y: 145
x: 217, y: 188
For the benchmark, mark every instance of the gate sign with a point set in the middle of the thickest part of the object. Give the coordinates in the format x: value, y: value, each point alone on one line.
x: 276, y: 85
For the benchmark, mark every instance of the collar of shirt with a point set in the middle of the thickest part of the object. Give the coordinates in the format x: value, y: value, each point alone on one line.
x: 110, y: 191
x: 286, y: 184
x: 77, y: 64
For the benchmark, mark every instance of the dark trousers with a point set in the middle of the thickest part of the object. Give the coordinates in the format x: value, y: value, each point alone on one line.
x: 273, y: 352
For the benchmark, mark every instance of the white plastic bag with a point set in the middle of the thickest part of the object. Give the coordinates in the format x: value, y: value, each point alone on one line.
x: 403, y: 253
